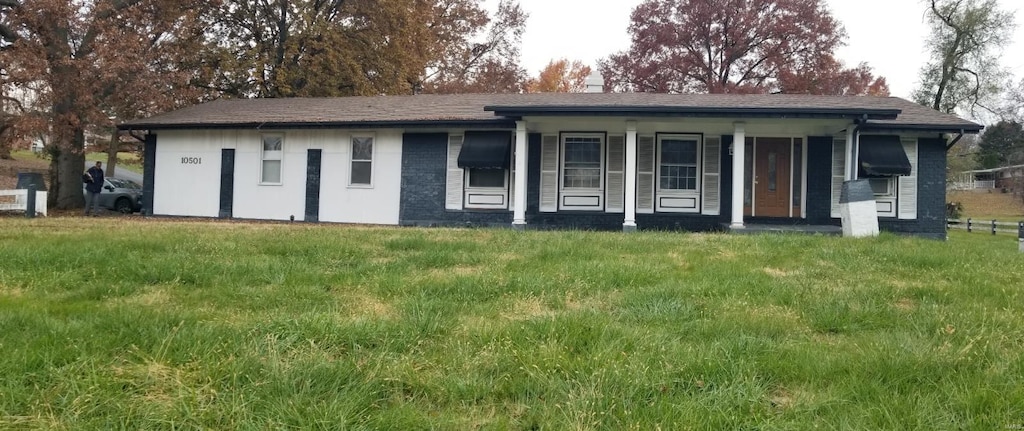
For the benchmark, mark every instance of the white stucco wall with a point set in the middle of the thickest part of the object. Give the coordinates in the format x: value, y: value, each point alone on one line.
x: 376, y: 204
x: 188, y: 189
x: 184, y: 188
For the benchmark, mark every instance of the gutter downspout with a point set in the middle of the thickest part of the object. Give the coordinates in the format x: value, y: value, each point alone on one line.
x: 853, y: 148
x: 955, y: 140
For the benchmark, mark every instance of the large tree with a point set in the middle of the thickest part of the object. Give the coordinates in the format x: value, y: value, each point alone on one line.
x: 89, y: 61
x: 474, y: 59
x: 733, y: 46
x: 560, y: 76
x: 1013, y: 103
x: 1002, y: 144
x: 284, y: 48
x: 964, y: 72
x: 829, y: 77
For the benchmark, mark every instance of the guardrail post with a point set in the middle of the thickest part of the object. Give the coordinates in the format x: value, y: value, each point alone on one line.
x: 968, y: 224
x: 30, y: 202
x: 993, y: 227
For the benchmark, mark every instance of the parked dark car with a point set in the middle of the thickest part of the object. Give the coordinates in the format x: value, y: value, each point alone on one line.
x: 120, y: 195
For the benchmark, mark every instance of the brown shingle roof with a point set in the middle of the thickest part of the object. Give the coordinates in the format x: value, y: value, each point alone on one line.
x: 470, y: 108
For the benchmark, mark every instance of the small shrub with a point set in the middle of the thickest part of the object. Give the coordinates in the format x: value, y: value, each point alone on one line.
x: 954, y: 210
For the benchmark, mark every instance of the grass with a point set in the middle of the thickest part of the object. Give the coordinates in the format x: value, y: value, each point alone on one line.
x: 164, y: 324
x: 988, y: 205
x: 125, y: 160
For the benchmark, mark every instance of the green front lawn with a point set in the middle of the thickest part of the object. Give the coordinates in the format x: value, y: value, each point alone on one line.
x: 155, y: 324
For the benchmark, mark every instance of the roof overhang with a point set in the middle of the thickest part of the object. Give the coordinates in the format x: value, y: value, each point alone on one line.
x: 936, y: 128
x: 519, y: 111
x: 416, y: 124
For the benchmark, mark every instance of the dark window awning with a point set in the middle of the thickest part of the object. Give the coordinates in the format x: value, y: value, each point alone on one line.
x: 882, y: 156
x: 486, y: 150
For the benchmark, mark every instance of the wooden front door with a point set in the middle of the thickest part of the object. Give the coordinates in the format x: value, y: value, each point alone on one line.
x: 771, y: 177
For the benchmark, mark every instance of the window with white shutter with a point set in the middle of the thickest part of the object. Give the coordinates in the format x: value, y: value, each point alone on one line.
x: 678, y: 173
x: 582, y: 172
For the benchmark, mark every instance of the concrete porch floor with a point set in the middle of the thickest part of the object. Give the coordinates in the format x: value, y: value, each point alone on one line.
x: 757, y: 228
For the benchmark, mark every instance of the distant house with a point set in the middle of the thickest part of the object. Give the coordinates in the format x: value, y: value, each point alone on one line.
x: 593, y: 161
x: 1010, y: 178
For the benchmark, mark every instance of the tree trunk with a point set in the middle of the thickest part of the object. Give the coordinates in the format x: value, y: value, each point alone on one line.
x: 66, y: 170
x: 5, y: 143
x: 112, y: 154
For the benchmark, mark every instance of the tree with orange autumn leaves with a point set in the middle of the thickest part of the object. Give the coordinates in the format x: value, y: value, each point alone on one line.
x: 285, y: 48
x: 560, y: 76
x: 95, y: 62
x: 91, y: 61
x: 736, y: 46
x: 88, y: 61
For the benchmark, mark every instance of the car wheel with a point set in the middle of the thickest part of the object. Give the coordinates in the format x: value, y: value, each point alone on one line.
x: 123, y: 205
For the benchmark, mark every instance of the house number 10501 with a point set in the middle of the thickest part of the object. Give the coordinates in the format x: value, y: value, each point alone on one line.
x: 191, y: 160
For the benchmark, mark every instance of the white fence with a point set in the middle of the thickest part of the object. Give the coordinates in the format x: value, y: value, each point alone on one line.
x: 21, y: 201
x: 982, y: 185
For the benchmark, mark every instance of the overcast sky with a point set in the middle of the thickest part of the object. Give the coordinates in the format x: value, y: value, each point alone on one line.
x: 887, y: 34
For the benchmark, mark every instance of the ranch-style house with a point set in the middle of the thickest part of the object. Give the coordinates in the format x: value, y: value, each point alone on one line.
x: 588, y: 160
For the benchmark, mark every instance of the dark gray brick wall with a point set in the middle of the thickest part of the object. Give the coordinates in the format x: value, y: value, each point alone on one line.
x: 533, y: 174
x: 687, y: 222
x: 313, y: 159
x: 148, y: 173
x: 931, y: 193
x: 819, y: 180
x: 227, y: 182
x: 424, y: 165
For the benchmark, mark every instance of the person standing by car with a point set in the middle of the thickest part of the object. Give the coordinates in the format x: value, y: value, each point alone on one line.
x: 94, y: 185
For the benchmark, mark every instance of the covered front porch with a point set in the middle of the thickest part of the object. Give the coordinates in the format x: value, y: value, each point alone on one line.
x: 782, y: 172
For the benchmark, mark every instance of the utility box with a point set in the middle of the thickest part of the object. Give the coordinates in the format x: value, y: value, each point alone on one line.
x: 26, y: 178
x: 858, y: 209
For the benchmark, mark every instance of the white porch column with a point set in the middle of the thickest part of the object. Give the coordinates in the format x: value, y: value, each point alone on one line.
x: 629, y: 224
x: 739, y: 139
x: 851, y: 163
x: 519, y: 211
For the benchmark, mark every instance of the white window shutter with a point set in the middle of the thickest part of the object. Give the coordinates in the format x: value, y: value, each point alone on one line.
x: 512, y: 179
x: 907, y: 185
x: 549, y: 173
x: 616, y: 196
x: 455, y: 176
x: 645, y: 174
x: 512, y: 186
x: 838, y: 173
x: 712, y: 174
